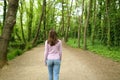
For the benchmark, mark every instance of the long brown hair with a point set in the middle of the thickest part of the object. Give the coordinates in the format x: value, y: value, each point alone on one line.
x: 52, y: 37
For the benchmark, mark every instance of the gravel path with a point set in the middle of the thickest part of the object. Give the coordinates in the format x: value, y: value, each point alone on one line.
x: 76, y: 65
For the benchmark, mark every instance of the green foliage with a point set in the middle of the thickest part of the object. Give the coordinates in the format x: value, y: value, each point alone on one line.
x: 28, y: 46
x: 113, y: 52
x: 0, y: 28
x: 72, y: 42
x: 15, y: 49
x: 13, y: 52
x: 40, y: 41
x: 18, y: 45
x: 30, y: 22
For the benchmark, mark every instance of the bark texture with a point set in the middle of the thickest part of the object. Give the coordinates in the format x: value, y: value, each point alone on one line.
x: 10, y: 21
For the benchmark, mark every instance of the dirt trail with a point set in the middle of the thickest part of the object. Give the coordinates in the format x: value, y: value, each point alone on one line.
x: 76, y: 65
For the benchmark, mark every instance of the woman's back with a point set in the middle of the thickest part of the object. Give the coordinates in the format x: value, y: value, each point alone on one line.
x: 54, y: 52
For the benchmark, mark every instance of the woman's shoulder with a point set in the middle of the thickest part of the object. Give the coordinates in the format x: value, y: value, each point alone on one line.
x: 46, y: 40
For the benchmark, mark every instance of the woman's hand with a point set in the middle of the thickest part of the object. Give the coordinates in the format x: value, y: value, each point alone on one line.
x: 45, y: 63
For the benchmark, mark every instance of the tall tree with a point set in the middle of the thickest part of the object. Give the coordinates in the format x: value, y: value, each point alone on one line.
x: 68, y: 21
x: 44, y: 20
x: 30, y: 18
x: 94, y: 22
x: 86, y: 24
x: 4, y: 12
x: 39, y: 25
x: 108, y: 22
x: 80, y: 24
x: 99, y: 27
x: 21, y: 20
x: 63, y: 18
x: 10, y: 21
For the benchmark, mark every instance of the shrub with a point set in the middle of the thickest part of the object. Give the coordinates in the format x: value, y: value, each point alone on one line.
x: 13, y: 53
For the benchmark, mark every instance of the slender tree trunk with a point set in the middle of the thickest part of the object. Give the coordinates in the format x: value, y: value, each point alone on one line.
x: 4, y: 12
x: 63, y: 32
x: 86, y: 25
x: 18, y: 36
x: 94, y: 23
x: 21, y: 21
x: 84, y: 17
x: 7, y: 30
x: 44, y: 20
x: 119, y: 4
x: 30, y: 18
x: 68, y: 24
x: 79, y: 32
x: 80, y: 24
x: 53, y: 17
x: 108, y: 22
x: 39, y: 25
x: 99, y: 28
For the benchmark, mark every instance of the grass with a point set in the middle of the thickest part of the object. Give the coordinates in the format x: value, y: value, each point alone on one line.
x: 13, y: 53
x: 16, y: 49
x: 112, y: 53
x: 72, y: 43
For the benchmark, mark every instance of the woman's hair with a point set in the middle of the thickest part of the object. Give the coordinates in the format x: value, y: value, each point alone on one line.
x: 52, y: 37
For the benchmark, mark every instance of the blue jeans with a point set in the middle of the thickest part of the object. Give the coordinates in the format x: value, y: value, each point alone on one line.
x: 53, y: 69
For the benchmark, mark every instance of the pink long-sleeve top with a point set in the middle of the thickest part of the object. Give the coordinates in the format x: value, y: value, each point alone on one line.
x: 53, y: 52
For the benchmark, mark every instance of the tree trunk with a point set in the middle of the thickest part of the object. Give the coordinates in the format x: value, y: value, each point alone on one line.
x: 63, y: 32
x: 44, y: 20
x: 108, y: 22
x: 79, y: 32
x: 18, y: 36
x: 68, y: 24
x: 39, y: 25
x: 21, y: 21
x: 94, y: 23
x: 10, y: 21
x: 86, y: 25
x: 30, y: 18
x: 4, y: 13
x: 119, y: 4
x: 80, y: 24
x: 99, y: 28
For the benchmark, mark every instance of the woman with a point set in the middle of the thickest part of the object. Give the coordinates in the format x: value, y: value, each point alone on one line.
x: 53, y: 55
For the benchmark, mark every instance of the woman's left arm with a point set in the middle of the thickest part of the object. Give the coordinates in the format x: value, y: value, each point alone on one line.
x: 60, y: 50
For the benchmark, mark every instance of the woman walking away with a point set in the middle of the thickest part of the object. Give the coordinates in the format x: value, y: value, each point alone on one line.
x: 53, y: 55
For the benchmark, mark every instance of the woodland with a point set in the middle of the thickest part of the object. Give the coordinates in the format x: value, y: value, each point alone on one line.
x: 92, y: 25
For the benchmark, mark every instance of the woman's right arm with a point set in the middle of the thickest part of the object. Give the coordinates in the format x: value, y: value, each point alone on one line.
x: 45, y: 52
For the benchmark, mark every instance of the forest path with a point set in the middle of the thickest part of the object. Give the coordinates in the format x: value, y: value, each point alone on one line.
x: 76, y: 65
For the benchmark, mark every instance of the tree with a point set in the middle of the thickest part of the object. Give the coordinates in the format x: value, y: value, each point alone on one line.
x: 39, y: 24
x: 63, y: 18
x: 86, y: 24
x: 21, y: 21
x: 4, y: 13
x: 44, y: 20
x: 108, y: 22
x: 10, y: 21
x: 94, y: 23
x: 30, y: 19
x: 80, y: 24
x: 68, y: 21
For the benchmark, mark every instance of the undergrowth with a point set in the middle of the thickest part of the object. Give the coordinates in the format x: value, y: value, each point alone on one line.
x: 97, y: 48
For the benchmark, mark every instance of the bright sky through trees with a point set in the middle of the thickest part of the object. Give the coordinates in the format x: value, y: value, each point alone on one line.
x: 1, y: 10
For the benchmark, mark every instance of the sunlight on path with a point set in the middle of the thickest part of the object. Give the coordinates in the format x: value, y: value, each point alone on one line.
x: 76, y: 65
